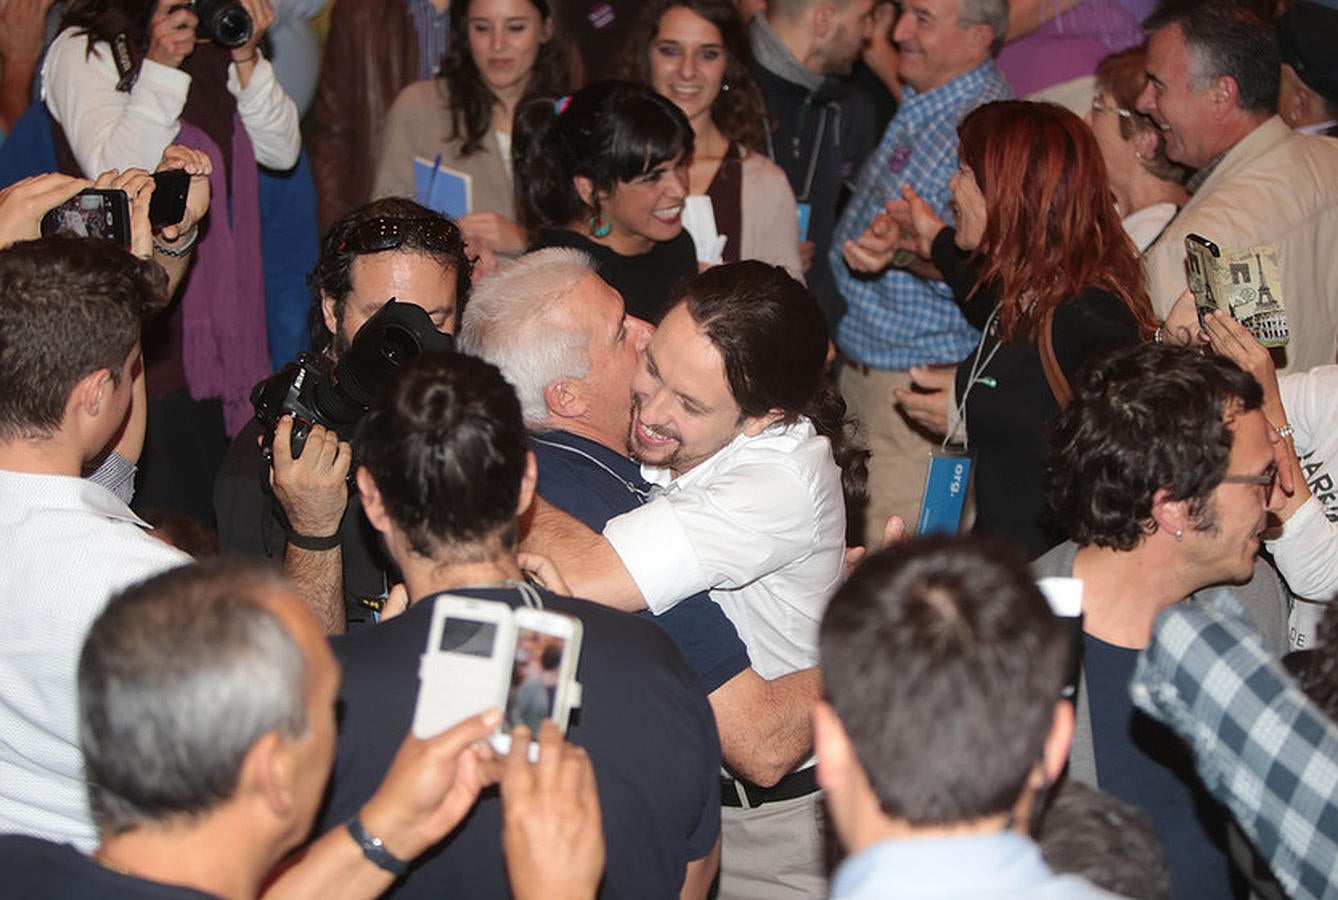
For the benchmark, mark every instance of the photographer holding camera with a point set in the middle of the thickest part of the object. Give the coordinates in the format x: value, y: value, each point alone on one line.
x: 299, y: 508
x: 122, y: 80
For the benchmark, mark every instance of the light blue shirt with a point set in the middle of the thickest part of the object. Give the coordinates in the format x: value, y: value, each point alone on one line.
x: 1001, y: 865
x: 896, y: 320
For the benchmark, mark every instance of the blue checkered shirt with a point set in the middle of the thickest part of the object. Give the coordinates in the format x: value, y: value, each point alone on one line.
x: 896, y: 320
x: 1261, y: 747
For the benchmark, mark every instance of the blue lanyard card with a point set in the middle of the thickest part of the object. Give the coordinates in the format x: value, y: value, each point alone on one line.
x: 945, y: 493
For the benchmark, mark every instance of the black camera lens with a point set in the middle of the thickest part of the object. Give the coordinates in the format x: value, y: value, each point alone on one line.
x: 225, y: 22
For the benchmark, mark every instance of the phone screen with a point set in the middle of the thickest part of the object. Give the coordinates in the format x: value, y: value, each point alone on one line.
x: 534, y: 679
x: 468, y: 636
x: 86, y: 215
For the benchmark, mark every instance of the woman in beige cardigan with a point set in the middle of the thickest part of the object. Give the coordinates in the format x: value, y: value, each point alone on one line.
x: 501, y: 52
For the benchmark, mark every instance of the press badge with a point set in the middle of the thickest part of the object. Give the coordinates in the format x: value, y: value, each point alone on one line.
x: 945, y: 493
x: 805, y: 211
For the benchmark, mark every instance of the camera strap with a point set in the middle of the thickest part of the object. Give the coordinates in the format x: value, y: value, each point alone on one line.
x: 127, y: 65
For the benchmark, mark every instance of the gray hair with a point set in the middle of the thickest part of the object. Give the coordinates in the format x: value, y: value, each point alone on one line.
x: 993, y: 13
x: 515, y: 321
x: 179, y: 677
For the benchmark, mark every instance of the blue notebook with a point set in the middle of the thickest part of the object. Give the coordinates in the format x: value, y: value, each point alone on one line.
x: 442, y: 188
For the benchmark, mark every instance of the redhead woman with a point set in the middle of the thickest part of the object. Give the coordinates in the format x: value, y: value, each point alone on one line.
x: 1037, y: 255
x: 695, y: 53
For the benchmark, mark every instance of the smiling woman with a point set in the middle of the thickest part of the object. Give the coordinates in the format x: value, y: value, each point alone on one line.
x: 502, y: 52
x: 694, y: 52
x: 605, y: 172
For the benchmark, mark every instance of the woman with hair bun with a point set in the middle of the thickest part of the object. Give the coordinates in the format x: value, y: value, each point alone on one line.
x: 605, y: 171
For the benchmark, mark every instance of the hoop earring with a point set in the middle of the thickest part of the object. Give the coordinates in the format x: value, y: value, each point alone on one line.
x: 600, y: 226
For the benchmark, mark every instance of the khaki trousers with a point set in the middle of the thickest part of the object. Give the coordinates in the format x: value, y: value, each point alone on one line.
x: 900, y: 450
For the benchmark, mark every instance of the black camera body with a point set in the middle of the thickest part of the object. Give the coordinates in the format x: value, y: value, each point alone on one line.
x: 225, y: 22
x: 317, y: 391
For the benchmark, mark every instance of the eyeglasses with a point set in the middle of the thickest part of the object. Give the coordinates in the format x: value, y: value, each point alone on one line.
x: 1268, y: 479
x: 1098, y: 106
x: 390, y: 233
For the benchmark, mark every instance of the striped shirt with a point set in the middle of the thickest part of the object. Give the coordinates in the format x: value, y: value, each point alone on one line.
x: 434, y: 30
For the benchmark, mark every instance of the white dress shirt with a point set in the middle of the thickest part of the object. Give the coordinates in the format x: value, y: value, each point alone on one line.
x: 66, y: 545
x: 761, y: 525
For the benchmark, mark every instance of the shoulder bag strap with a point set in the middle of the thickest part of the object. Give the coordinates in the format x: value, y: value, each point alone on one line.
x: 1059, y: 384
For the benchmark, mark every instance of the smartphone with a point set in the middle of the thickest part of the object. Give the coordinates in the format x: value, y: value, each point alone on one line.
x: 167, y: 206
x: 466, y: 666
x: 1199, y: 256
x: 542, y: 682
x: 93, y: 212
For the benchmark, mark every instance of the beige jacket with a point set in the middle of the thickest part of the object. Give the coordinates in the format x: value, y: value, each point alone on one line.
x: 419, y: 124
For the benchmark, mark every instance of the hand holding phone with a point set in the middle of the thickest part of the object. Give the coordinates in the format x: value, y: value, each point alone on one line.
x: 481, y: 654
x: 25, y: 203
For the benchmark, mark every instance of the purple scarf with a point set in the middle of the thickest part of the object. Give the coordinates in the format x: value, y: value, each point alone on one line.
x: 223, y: 337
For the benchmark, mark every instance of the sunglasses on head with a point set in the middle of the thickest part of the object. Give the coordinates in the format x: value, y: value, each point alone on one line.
x: 390, y: 233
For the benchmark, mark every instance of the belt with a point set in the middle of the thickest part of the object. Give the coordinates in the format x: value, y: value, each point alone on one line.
x: 738, y: 792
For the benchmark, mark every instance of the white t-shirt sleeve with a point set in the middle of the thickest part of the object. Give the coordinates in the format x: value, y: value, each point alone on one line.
x: 107, y: 128
x: 746, y: 523
x: 268, y: 114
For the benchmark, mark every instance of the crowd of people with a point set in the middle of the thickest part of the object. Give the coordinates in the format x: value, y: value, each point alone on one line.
x: 515, y: 448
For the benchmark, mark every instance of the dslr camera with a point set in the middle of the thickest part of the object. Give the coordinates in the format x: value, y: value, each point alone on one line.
x: 316, y: 391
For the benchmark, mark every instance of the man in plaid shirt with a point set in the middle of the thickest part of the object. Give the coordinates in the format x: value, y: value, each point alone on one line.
x: 899, y: 319
x: 1261, y: 747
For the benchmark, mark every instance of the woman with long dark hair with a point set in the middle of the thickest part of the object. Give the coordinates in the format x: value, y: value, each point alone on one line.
x: 502, y: 53
x: 604, y: 171
x: 695, y: 53
x: 122, y: 81
x: 1038, y: 258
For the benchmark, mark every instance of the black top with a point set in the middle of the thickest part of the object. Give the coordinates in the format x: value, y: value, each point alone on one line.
x: 251, y: 523
x: 40, y: 870
x: 1008, y: 410
x: 648, y: 281
x: 594, y: 484
x: 820, y: 141
x: 643, y: 719
x: 1142, y: 762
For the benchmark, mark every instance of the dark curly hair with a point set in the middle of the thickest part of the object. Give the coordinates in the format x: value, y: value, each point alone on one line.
x: 1143, y: 419
x: 332, y: 274
x: 472, y: 100
x: 738, y: 110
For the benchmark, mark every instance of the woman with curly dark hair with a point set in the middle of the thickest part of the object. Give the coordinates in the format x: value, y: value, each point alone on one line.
x: 501, y: 54
x: 1038, y: 260
x: 695, y: 53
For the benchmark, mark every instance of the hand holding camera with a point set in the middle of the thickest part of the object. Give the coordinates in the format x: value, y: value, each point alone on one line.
x: 313, y: 487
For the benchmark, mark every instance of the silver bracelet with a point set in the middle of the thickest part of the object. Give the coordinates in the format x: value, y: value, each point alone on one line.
x: 181, y: 250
